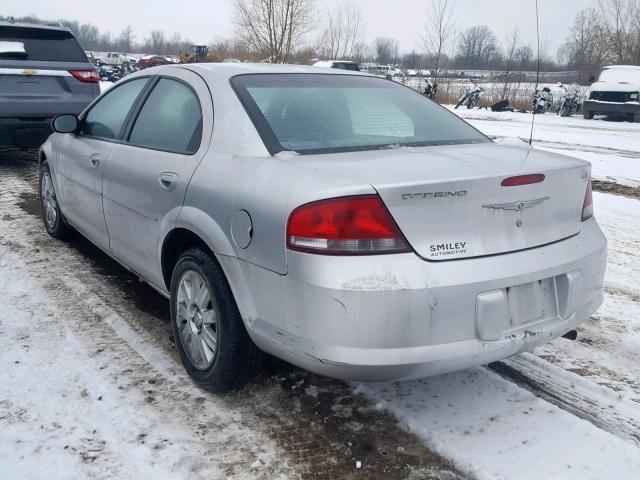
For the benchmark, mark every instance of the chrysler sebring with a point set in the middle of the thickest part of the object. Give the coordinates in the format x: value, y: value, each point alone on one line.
x: 336, y: 220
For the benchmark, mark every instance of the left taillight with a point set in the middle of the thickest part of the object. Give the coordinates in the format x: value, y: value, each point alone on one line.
x: 86, y: 76
x: 587, y: 205
x: 358, y: 225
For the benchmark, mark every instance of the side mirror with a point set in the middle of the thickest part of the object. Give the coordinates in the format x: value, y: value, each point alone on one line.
x: 592, y: 78
x: 66, y: 123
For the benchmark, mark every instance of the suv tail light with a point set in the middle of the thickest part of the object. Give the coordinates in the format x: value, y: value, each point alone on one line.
x: 86, y: 76
x: 359, y: 225
x: 587, y: 205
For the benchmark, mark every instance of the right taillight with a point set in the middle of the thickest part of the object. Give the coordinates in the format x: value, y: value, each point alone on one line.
x: 86, y: 76
x: 587, y: 205
x: 358, y: 225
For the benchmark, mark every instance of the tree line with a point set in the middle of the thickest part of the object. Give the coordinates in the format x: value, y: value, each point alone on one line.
x: 282, y: 31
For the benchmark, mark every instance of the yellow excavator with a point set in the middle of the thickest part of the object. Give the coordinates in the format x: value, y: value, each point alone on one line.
x: 196, y: 54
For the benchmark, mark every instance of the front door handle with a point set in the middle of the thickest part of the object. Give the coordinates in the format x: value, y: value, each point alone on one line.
x: 168, y: 181
x: 94, y: 158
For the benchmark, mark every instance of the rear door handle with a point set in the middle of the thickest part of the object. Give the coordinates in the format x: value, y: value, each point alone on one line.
x: 94, y: 158
x: 168, y: 181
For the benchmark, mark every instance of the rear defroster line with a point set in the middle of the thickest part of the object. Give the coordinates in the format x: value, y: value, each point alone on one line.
x: 577, y: 395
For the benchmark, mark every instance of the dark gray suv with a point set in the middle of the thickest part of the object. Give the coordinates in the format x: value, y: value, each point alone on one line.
x: 43, y: 72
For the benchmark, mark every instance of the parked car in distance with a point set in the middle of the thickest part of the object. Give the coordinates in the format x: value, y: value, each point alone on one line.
x: 278, y: 213
x: 617, y: 91
x: 152, y: 61
x: 114, y: 59
x: 43, y: 73
x: 339, y: 64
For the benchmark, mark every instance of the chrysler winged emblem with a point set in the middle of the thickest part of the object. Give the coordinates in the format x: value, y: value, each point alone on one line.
x: 516, y: 206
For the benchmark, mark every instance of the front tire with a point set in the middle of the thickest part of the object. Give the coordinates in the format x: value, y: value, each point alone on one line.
x: 52, y: 217
x: 209, y: 333
x: 587, y: 115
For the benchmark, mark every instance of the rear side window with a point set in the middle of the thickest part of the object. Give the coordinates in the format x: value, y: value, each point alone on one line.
x: 41, y: 44
x: 324, y: 113
x: 106, y: 118
x: 171, y: 119
x: 346, y: 66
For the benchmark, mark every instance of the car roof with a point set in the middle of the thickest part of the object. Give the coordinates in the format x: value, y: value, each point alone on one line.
x: 229, y: 70
x: 622, y: 67
x: 42, y: 26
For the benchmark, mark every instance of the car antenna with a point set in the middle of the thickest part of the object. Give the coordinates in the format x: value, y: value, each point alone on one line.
x: 533, y: 113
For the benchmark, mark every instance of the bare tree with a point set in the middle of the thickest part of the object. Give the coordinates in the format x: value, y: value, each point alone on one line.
x: 343, y: 31
x: 619, y: 21
x: 360, y: 52
x: 385, y: 50
x: 477, y: 46
x: 510, y: 59
x: 440, y: 29
x: 587, y: 46
x: 273, y: 29
x: 156, y: 41
x: 125, y: 39
x: 524, y: 57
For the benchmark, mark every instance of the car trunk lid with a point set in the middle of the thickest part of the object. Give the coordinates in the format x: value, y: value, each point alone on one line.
x: 450, y: 203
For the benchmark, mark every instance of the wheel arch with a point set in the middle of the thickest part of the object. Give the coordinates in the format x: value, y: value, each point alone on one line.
x: 196, y: 230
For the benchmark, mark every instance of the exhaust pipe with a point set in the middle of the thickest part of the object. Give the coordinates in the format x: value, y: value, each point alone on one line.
x: 571, y: 335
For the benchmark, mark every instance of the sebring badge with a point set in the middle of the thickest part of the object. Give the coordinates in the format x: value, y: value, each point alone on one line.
x: 516, y: 206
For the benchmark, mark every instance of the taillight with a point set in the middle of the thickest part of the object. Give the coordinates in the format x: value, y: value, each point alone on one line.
x: 587, y: 205
x: 86, y: 76
x: 357, y: 225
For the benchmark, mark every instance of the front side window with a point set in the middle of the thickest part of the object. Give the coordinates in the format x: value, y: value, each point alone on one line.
x: 171, y: 119
x: 320, y: 113
x: 106, y: 118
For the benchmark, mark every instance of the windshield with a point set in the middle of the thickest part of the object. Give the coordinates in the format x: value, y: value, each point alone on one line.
x: 323, y: 113
x: 40, y: 44
x: 620, y: 75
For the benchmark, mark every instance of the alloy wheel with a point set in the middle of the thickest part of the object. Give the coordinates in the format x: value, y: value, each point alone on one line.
x: 196, y: 318
x: 49, y: 201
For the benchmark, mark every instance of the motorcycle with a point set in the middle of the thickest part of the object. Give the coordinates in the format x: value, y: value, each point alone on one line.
x: 570, y: 102
x: 471, y: 97
x: 542, y: 100
x: 430, y: 90
x: 109, y: 74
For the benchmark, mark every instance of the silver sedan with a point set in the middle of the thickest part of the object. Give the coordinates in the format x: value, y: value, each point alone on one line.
x: 336, y: 220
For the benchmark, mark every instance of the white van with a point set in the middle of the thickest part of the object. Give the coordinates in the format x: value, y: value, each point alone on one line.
x: 616, y: 91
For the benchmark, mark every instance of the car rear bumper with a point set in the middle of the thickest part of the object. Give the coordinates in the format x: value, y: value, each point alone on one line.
x: 610, y: 107
x: 24, y: 132
x: 393, y: 317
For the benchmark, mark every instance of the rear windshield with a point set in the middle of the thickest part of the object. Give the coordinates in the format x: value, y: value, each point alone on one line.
x: 40, y: 44
x: 324, y: 113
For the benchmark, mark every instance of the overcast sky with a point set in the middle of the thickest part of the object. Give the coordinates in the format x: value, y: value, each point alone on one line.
x: 205, y: 20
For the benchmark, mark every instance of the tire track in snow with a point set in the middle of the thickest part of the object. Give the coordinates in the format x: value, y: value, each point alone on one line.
x: 578, y: 395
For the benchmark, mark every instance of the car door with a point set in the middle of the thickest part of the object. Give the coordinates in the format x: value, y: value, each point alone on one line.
x: 147, y: 175
x: 82, y: 156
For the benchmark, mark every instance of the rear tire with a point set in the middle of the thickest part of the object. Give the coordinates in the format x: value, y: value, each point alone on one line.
x: 636, y: 118
x: 215, y: 348
x: 52, y: 216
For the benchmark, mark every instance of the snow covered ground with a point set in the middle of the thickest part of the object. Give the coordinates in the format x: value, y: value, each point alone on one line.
x: 90, y: 385
x: 570, y: 410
